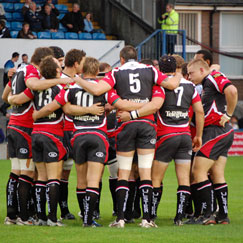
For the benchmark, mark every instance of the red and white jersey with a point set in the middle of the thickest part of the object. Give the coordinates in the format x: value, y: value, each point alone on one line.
x: 68, y: 120
x: 76, y: 95
x: 173, y: 116
x: 22, y: 114
x: 52, y: 123
x: 213, y: 98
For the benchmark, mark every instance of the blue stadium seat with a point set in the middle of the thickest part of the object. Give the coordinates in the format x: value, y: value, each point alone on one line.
x: 60, y: 16
x: 8, y: 7
x: 13, y: 1
x: 58, y: 35
x: 85, y: 36
x: 99, y: 36
x: 40, y: 1
x: 62, y: 8
x: 16, y: 26
x: 18, y: 17
x: 62, y: 28
x: 8, y: 16
x: 71, y: 35
x: 8, y: 25
x: 34, y: 33
x: 18, y: 7
x: 14, y: 34
x: 44, y: 35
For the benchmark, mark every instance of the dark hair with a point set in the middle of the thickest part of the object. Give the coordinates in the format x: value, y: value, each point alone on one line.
x: 167, y: 64
x: 40, y: 53
x: 103, y: 66
x: 147, y: 61
x: 128, y: 52
x: 184, y: 71
x: 2, y: 23
x: 58, y: 51
x: 25, y: 23
x: 15, y: 54
x: 24, y: 55
x: 206, y: 56
x: 48, y: 67
x: 72, y: 56
x: 170, y: 5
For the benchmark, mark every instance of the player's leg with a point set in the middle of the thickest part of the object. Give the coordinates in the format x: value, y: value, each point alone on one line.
x: 40, y: 192
x: 158, y: 171
x: 131, y: 196
x: 221, y: 189
x: 54, y: 171
x: 81, y: 170
x: 25, y: 187
x: 182, y: 168
x: 94, y: 173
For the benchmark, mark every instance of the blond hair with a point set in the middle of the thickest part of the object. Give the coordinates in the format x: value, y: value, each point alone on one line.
x: 199, y: 63
x: 91, y: 66
x: 179, y: 60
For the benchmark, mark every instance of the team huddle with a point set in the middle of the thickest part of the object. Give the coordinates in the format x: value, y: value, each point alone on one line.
x: 135, y: 119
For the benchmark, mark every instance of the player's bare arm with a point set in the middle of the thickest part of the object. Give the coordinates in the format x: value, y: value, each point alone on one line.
x: 199, y: 113
x: 231, y: 96
x: 43, y: 84
x: 150, y: 108
x: 76, y: 110
x: 126, y: 105
x: 172, y: 83
x: 6, y: 92
x: 18, y: 99
x: 46, y: 110
x: 93, y: 88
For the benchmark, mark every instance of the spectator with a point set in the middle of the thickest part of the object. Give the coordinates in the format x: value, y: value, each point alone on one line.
x: 156, y: 63
x: 26, y: 7
x: 25, y: 32
x: 88, y: 26
x: 2, y: 13
x: 8, y: 65
x: 4, y: 31
x: 169, y: 21
x: 73, y: 21
x: 34, y: 18
x: 24, y: 61
x: 49, y: 21
x: 53, y: 8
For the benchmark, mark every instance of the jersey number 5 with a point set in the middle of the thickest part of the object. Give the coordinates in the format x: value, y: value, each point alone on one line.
x: 135, y: 83
x: 180, y: 91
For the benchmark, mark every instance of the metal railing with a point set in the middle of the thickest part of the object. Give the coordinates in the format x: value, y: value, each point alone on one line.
x: 154, y: 45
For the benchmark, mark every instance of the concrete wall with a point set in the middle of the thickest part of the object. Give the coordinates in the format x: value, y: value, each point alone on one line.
x: 92, y: 48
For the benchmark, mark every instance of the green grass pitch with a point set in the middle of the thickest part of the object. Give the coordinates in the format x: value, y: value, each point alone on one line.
x: 166, y: 232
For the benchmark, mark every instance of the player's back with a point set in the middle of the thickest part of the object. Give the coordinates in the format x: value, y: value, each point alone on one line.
x: 76, y: 95
x: 173, y: 115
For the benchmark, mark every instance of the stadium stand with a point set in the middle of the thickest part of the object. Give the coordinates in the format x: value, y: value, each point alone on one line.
x: 15, y: 19
x: 14, y: 33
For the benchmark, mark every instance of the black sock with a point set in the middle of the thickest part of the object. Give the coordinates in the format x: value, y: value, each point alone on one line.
x: 157, y: 194
x: 189, y: 208
x: 121, y: 197
x: 204, y: 192
x: 11, y: 195
x: 63, y: 197
x: 146, y: 191
x: 52, y: 196
x: 32, y: 202
x: 91, y: 197
x: 213, y: 197
x: 196, y: 200
x: 24, y: 190
x: 97, y: 205
x: 183, y: 193
x: 137, y: 209
x: 112, y: 185
x: 221, y: 193
x: 81, y: 199
x: 40, y: 195
x: 130, y: 200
